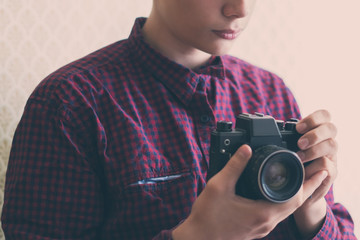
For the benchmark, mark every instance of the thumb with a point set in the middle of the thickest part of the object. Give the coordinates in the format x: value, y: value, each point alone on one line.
x: 234, y: 167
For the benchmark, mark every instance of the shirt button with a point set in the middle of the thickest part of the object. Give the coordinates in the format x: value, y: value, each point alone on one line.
x: 204, y: 118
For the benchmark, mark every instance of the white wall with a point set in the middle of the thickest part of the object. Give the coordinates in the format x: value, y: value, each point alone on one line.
x: 313, y: 45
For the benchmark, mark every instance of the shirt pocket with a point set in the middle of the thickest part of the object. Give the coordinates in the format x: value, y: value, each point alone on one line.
x: 157, y: 203
x: 156, y: 180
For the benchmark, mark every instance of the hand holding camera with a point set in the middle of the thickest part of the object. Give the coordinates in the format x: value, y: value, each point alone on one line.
x: 220, y: 212
x: 319, y: 146
x: 274, y: 172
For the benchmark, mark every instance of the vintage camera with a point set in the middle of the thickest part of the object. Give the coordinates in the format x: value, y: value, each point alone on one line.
x: 274, y: 171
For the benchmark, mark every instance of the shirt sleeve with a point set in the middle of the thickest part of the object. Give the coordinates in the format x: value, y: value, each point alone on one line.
x: 55, y: 188
x: 338, y: 223
x: 52, y: 188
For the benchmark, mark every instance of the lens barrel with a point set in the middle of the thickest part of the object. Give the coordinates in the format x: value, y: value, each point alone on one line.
x: 273, y: 173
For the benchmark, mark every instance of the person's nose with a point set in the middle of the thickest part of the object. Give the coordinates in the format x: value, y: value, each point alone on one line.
x: 235, y: 9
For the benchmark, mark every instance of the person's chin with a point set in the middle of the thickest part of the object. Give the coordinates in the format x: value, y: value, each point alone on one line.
x: 220, y: 49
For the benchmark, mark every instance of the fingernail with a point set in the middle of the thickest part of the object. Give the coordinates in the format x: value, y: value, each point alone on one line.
x: 245, y: 151
x: 301, y: 127
x: 303, y: 143
x: 324, y: 174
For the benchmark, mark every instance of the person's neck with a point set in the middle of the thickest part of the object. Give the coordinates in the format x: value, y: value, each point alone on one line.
x: 171, y: 47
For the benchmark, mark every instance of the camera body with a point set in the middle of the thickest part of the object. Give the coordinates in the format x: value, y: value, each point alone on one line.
x: 274, y: 171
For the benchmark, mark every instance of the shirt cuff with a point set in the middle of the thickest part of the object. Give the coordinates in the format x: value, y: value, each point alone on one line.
x: 323, y: 233
x: 328, y: 230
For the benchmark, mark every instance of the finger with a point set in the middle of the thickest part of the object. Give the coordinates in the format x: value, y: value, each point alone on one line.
x: 312, y: 121
x: 235, y: 166
x: 321, y: 191
x: 324, y: 131
x: 326, y: 148
x: 321, y: 164
x: 308, y: 188
x: 313, y: 183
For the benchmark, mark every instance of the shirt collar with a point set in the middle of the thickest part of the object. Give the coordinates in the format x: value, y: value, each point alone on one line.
x: 180, y: 80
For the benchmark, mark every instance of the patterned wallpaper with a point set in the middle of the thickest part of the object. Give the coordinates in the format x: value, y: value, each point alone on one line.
x: 39, y: 36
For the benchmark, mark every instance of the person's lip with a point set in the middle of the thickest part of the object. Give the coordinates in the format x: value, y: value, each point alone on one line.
x: 227, y: 34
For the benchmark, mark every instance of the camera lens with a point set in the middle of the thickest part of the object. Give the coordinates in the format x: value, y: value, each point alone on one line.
x: 276, y: 176
x: 281, y: 173
x: 273, y: 173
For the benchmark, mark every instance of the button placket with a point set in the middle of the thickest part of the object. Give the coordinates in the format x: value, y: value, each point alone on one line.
x: 204, y: 118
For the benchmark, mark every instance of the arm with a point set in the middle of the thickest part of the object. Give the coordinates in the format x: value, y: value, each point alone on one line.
x: 333, y: 221
x: 52, y: 190
x: 320, y: 217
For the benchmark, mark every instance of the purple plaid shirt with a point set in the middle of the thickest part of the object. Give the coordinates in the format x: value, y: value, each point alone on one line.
x: 116, y: 144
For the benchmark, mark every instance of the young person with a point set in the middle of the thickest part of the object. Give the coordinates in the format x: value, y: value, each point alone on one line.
x: 116, y: 144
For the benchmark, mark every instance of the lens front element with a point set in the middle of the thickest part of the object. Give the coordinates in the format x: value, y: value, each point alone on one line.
x: 276, y: 176
x: 281, y: 174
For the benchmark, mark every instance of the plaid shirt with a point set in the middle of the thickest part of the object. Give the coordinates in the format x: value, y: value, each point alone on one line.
x: 116, y: 144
